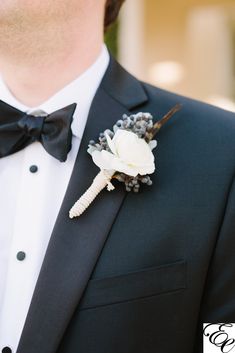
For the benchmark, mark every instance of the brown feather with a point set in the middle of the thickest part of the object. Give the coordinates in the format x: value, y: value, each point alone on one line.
x: 158, y: 125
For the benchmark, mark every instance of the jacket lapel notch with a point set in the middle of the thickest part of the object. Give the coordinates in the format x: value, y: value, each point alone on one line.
x: 122, y: 86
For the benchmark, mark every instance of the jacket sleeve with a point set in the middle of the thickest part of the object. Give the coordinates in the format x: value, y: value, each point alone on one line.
x: 218, y: 301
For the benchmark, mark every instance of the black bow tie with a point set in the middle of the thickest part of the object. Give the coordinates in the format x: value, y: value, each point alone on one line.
x: 18, y: 130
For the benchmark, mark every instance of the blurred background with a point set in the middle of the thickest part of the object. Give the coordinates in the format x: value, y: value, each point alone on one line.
x: 185, y: 46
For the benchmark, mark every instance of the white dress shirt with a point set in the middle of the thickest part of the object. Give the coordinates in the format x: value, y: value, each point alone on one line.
x: 30, y: 201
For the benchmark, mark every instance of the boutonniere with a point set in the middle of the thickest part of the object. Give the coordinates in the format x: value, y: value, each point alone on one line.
x: 124, y: 153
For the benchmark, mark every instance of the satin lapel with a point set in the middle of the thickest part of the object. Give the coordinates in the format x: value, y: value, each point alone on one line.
x: 75, y: 245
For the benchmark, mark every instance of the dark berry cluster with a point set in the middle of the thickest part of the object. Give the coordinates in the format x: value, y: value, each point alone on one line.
x: 141, y: 124
x: 133, y: 183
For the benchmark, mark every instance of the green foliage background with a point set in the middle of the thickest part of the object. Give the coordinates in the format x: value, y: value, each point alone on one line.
x: 111, y: 39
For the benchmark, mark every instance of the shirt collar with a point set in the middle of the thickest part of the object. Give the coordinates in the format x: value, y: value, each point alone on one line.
x: 81, y: 91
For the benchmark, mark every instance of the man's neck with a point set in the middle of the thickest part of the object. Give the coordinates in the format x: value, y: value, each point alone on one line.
x: 47, y: 66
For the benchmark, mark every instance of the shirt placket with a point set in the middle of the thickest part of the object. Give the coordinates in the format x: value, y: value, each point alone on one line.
x: 25, y: 254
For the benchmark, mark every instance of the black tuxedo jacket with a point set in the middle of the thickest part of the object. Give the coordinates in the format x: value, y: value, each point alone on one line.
x: 139, y: 273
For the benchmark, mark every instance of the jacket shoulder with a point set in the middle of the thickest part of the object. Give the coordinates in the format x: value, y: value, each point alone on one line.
x: 200, y: 127
x: 194, y: 108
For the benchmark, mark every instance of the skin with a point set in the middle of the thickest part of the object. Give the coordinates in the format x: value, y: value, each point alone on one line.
x: 46, y: 44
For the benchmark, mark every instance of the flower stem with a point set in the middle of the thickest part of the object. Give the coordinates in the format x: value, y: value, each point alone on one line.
x: 101, y: 181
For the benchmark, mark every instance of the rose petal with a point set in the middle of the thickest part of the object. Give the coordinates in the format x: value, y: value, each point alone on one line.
x: 91, y: 149
x: 152, y: 144
x: 133, y: 150
x: 148, y: 169
x: 110, y: 143
x: 107, y: 160
x: 103, y: 159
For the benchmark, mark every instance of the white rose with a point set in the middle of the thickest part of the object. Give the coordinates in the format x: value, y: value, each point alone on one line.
x: 129, y: 154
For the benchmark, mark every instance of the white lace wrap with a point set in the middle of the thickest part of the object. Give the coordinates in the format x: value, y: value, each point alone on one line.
x: 101, y: 181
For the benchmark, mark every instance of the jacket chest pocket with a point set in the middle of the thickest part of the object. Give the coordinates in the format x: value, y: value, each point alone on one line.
x: 134, y: 285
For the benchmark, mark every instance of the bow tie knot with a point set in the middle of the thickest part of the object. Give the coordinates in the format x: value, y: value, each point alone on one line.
x: 32, y: 125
